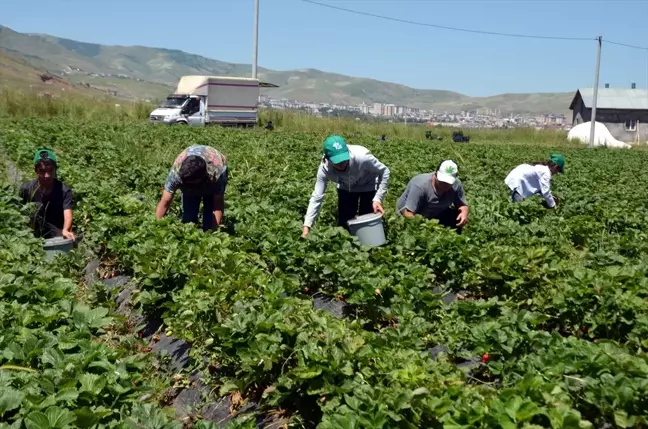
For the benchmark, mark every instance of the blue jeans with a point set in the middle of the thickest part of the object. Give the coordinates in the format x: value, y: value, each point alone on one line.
x: 191, y: 204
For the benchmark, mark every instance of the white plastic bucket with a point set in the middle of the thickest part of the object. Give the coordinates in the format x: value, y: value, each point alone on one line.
x: 57, y: 245
x: 369, y: 229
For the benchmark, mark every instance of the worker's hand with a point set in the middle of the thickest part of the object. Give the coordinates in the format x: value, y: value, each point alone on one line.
x: 68, y: 235
x: 305, y: 232
x: 462, y: 219
x: 378, y: 208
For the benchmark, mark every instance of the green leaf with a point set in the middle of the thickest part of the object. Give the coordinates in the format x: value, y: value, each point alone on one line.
x: 622, y: 420
x: 10, y: 399
x: 402, y: 401
x: 85, y: 417
x: 67, y: 395
x: 228, y: 387
x: 306, y: 373
x: 37, y: 420
x: 53, y: 357
x: 352, y: 402
x: 420, y: 391
x: 83, y: 317
x: 92, y: 383
x: 59, y: 417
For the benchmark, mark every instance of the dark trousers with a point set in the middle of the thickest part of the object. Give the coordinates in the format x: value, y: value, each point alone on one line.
x: 516, y: 197
x: 191, y: 208
x: 191, y: 204
x: 351, y: 204
x: 448, y: 218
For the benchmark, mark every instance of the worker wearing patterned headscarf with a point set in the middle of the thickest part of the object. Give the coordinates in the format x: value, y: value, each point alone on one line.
x: 200, y: 172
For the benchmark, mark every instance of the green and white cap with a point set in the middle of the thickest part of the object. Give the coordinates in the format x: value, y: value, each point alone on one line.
x: 336, y: 150
x: 44, y: 154
x: 447, y: 172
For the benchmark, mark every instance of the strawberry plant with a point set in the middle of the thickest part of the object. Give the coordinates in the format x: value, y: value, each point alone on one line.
x: 549, y: 329
x: 56, y: 370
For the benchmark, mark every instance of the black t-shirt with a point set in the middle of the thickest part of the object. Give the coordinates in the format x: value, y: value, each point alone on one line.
x: 49, y: 215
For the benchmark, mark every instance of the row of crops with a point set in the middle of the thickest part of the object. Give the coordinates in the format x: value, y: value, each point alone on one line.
x: 554, y: 302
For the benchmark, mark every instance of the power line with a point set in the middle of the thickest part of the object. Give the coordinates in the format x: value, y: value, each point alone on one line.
x: 626, y: 45
x: 443, y: 27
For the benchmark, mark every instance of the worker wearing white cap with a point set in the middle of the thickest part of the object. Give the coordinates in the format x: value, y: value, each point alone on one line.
x: 439, y: 195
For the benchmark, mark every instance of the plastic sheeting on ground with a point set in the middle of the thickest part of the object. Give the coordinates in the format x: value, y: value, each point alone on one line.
x: 602, y: 136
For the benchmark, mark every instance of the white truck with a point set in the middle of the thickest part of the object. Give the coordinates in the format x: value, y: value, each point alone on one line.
x: 211, y: 100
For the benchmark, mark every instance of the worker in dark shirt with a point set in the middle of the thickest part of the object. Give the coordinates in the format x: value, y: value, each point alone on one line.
x: 53, y: 217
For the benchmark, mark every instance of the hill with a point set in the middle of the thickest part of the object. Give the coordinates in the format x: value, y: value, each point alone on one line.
x: 18, y: 74
x: 150, y: 73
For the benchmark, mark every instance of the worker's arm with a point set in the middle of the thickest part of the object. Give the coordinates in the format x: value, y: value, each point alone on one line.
x: 219, y: 208
x: 67, y: 215
x: 545, y: 189
x: 67, y: 225
x: 415, y: 195
x: 462, y: 218
x: 219, y: 196
x: 408, y: 213
x: 315, y: 202
x: 377, y: 168
x: 462, y: 205
x: 164, y: 204
x: 172, y: 184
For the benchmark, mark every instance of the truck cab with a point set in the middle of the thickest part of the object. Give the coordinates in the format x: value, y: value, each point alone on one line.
x: 170, y: 111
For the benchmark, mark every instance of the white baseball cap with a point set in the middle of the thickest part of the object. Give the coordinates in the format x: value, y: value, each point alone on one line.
x: 447, y: 172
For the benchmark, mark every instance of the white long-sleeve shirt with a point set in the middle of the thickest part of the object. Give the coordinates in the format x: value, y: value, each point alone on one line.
x: 361, y: 175
x: 529, y: 180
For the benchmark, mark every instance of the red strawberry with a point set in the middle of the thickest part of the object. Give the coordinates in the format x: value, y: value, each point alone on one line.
x: 485, y: 358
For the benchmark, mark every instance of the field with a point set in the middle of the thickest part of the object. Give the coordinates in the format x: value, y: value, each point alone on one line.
x: 550, y: 328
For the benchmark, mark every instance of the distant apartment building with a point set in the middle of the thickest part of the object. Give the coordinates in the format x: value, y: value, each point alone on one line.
x: 389, y: 110
x: 551, y: 119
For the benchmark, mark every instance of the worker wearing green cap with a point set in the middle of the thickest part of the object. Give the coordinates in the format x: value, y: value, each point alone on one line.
x: 527, y: 180
x: 53, y: 217
x: 356, y: 172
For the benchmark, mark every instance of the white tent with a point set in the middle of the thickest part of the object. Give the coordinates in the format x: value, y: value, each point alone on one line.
x: 602, y: 136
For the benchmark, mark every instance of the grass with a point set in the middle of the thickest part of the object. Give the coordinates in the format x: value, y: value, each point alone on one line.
x: 21, y: 104
x: 18, y: 104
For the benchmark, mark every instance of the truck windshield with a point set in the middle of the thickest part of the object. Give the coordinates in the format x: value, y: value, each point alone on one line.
x: 174, y: 102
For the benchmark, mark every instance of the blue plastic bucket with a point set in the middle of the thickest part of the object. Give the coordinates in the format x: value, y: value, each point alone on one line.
x: 369, y: 229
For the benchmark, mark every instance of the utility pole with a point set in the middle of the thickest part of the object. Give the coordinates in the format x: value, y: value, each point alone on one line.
x: 256, y: 39
x: 595, y: 95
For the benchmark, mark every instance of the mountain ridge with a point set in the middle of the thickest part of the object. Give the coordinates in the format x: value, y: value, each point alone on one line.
x: 137, y: 71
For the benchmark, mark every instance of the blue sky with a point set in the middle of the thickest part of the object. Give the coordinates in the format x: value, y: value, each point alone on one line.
x: 294, y: 34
